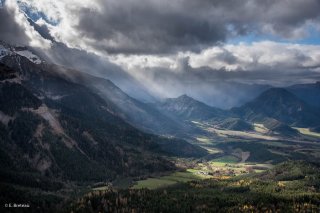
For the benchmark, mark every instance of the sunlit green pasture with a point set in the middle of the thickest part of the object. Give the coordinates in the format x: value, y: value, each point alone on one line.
x: 306, y: 131
x: 165, y: 181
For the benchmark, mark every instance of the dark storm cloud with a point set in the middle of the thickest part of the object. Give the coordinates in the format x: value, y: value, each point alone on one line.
x: 170, y: 29
x: 10, y: 31
x: 166, y: 26
x: 149, y: 30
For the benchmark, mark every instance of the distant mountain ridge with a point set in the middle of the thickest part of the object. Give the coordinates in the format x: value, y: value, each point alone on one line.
x: 280, y: 104
x: 310, y: 93
x: 276, y: 107
x: 188, y: 108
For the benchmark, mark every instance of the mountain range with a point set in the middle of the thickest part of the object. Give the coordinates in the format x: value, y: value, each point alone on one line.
x: 138, y: 113
x: 282, y: 105
x: 275, y: 103
x: 59, y: 125
x: 188, y: 108
x: 54, y: 127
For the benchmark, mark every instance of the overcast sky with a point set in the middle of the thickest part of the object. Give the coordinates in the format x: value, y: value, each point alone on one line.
x: 266, y: 42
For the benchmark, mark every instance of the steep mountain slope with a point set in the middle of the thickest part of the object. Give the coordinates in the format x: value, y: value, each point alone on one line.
x: 281, y: 105
x: 188, y: 108
x: 236, y: 124
x: 139, y: 114
x: 71, y: 133
x: 54, y: 127
x: 276, y: 127
x: 310, y: 93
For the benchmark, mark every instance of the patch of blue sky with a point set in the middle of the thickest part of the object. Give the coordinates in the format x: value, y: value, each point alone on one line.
x: 35, y: 15
x: 312, y: 38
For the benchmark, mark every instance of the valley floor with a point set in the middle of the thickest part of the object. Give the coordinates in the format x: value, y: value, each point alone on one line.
x: 243, y: 172
x: 287, y: 187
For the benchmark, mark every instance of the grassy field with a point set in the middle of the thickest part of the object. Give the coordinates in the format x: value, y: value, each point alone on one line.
x: 227, y: 159
x: 259, y: 132
x: 234, y: 157
x: 220, y: 168
x: 287, y: 187
x: 102, y: 188
x: 201, y: 172
x: 260, y: 128
x: 153, y: 183
x: 277, y: 144
x: 307, y: 131
x: 165, y: 181
x: 204, y: 140
x: 241, y: 134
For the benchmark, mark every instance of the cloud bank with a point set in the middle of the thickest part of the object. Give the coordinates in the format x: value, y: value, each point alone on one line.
x: 154, y: 27
x: 174, y: 47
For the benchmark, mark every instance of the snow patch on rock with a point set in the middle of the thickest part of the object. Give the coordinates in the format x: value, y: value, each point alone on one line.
x: 7, y: 50
x: 29, y: 55
x: 3, y: 51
